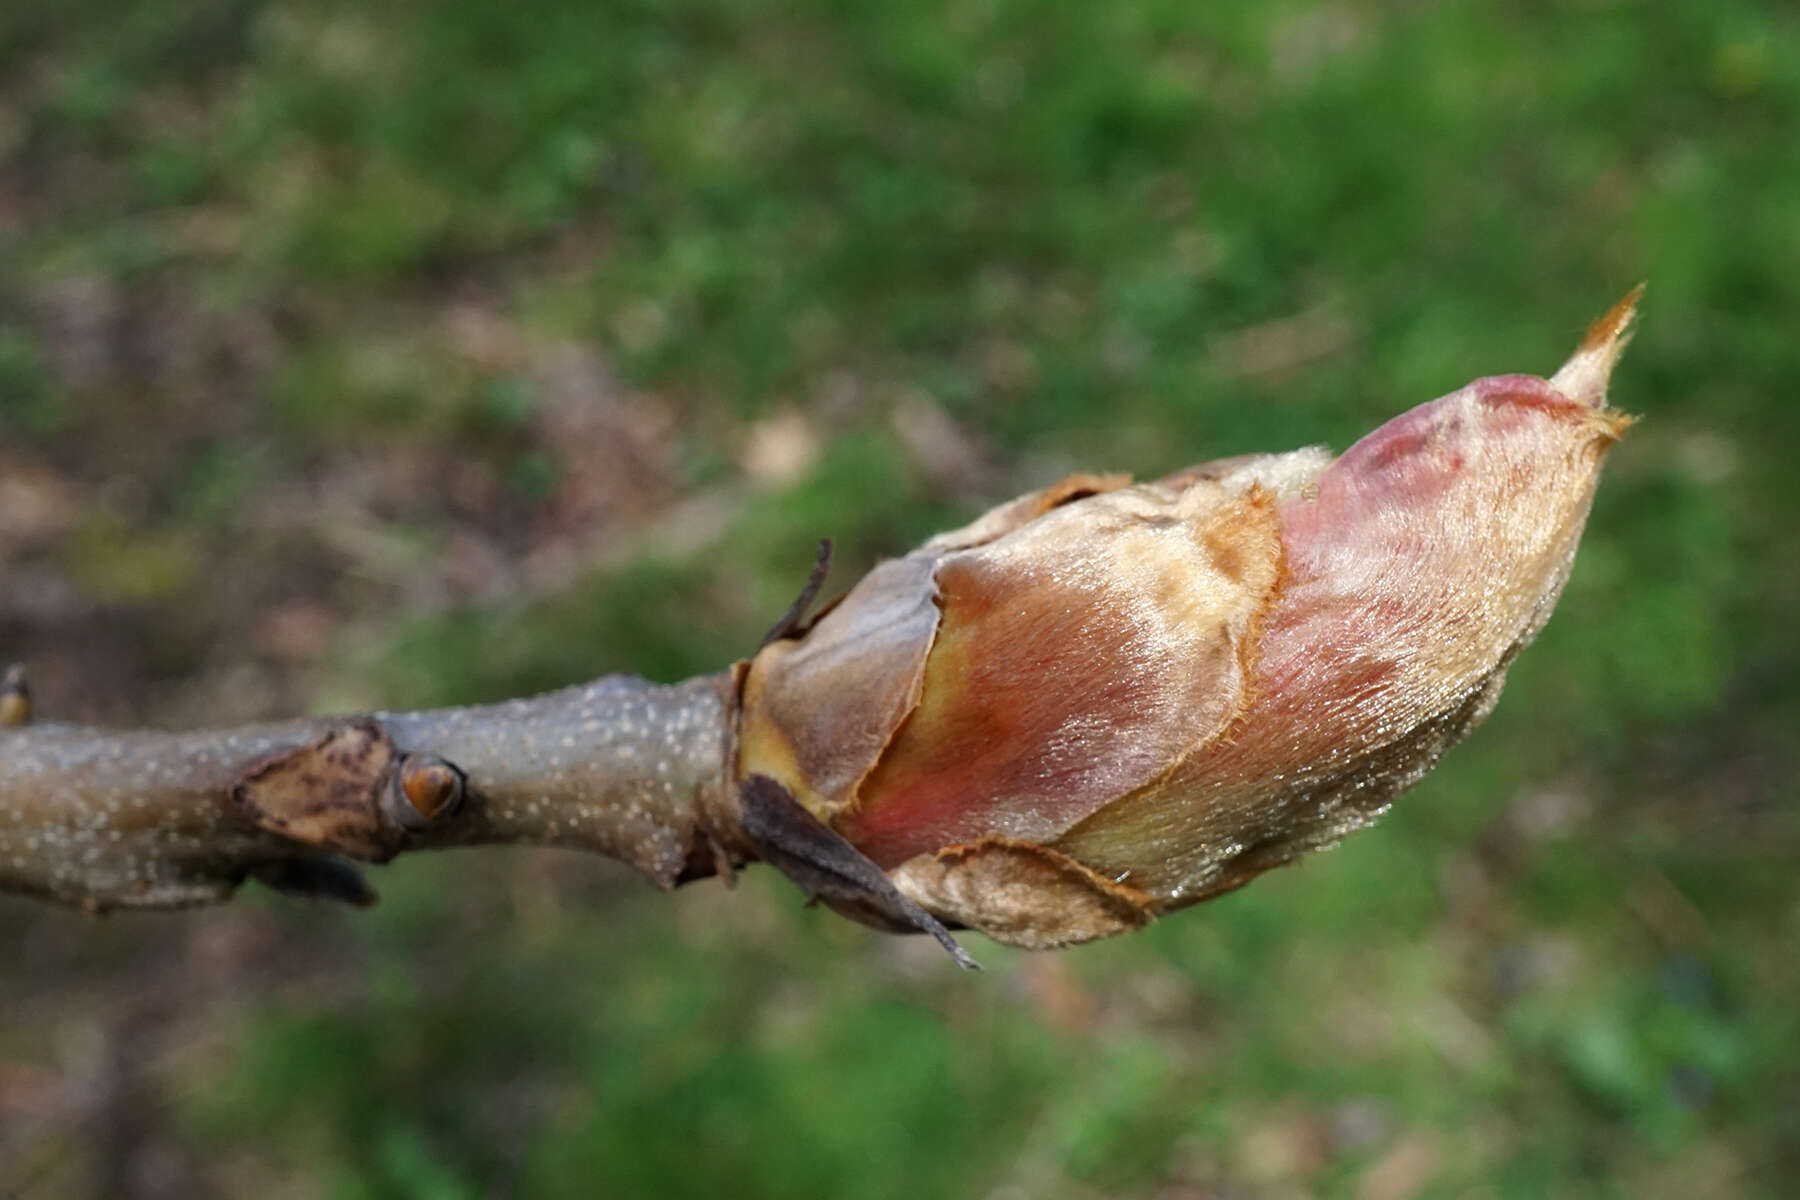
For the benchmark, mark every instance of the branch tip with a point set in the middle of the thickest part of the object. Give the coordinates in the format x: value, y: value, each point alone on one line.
x: 1584, y: 377
x: 15, y: 697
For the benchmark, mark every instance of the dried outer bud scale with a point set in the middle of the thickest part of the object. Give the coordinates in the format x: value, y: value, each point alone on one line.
x: 1102, y: 701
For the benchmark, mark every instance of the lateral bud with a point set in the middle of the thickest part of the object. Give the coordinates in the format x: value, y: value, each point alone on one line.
x: 15, y: 697
x: 423, y: 791
x: 351, y: 792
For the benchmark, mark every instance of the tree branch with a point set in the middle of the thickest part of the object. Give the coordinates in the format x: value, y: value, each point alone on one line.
x: 106, y: 819
x: 1095, y: 704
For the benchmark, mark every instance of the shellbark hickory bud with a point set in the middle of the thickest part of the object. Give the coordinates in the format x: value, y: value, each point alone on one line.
x: 1102, y: 701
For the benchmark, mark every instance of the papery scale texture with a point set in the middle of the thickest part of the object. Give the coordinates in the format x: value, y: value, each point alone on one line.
x: 1101, y: 701
x: 1431, y: 552
x: 1077, y: 658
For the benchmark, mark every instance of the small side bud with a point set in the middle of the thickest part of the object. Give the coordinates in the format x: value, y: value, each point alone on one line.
x: 351, y: 792
x: 15, y: 697
x: 424, y: 791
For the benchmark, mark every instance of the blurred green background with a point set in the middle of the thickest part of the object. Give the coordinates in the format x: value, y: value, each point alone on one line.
x: 425, y: 353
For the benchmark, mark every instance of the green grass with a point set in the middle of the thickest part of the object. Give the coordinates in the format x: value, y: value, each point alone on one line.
x: 1054, y: 220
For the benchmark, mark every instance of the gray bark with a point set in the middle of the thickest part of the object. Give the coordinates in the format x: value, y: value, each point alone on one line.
x: 103, y: 819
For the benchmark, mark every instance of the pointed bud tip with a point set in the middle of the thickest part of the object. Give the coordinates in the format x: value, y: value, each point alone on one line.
x: 1583, y: 378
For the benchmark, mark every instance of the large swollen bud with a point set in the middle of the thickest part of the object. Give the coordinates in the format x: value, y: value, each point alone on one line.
x: 1102, y: 701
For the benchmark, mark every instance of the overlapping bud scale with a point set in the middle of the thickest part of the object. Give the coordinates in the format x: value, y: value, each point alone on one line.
x: 1105, y: 700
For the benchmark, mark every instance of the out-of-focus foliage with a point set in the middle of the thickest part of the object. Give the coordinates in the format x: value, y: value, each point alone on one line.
x: 417, y: 353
